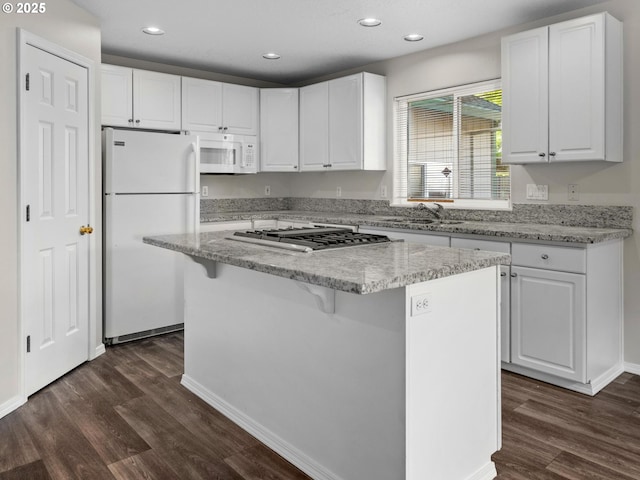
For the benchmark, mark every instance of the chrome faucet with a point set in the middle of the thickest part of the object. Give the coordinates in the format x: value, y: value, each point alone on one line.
x: 438, y: 212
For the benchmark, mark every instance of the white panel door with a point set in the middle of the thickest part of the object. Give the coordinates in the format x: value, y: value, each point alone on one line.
x: 525, y: 91
x: 201, y: 105
x: 156, y: 100
x: 345, y: 123
x: 279, y: 130
x: 576, y: 90
x: 314, y: 127
x: 55, y: 256
x: 117, y: 96
x: 240, y: 106
x: 549, y: 336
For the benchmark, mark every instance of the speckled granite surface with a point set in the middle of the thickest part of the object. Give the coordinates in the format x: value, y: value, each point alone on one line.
x: 358, y: 269
x: 505, y: 230
x: 569, y: 215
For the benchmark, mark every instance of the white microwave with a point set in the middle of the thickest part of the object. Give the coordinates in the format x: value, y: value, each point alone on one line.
x: 228, y: 153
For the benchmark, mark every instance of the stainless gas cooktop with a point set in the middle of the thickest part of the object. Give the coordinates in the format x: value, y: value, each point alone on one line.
x: 309, y: 239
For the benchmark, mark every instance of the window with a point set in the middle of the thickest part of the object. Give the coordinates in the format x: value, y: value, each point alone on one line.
x: 449, y: 147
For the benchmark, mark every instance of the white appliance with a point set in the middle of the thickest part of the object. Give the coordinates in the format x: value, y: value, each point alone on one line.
x: 227, y: 153
x: 151, y: 184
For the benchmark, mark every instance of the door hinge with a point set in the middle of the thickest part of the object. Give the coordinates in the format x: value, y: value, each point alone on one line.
x: 27, y: 82
x: 28, y: 213
x: 28, y: 343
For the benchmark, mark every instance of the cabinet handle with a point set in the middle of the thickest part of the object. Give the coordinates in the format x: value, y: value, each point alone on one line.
x: 542, y: 154
x: 552, y: 154
x: 503, y: 274
x: 477, y: 248
x: 131, y: 120
x: 219, y: 129
x: 138, y: 121
x: 295, y: 166
x: 544, y: 256
x: 514, y: 275
x: 225, y: 129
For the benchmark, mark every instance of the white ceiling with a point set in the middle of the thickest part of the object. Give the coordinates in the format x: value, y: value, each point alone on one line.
x: 314, y: 37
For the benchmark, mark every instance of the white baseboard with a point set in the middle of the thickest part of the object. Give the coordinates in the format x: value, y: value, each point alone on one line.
x: 10, y: 405
x: 488, y: 472
x: 100, y: 349
x: 632, y: 368
x: 591, y: 388
x: 270, y: 439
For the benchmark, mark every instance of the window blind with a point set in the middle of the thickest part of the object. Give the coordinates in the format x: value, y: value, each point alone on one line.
x: 449, y: 145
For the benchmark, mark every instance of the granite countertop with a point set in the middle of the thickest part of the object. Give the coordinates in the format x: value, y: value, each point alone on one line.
x: 515, y: 231
x: 358, y: 269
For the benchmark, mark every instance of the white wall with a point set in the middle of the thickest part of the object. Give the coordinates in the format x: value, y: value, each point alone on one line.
x: 67, y: 25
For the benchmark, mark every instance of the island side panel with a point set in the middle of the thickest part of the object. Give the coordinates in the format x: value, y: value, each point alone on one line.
x: 325, y: 390
x: 453, y: 369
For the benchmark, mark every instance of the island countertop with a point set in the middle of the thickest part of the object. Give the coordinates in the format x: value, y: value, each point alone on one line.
x: 358, y: 269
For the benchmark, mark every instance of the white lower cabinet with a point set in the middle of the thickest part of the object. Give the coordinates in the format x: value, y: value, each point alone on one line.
x: 548, y: 322
x: 566, y: 314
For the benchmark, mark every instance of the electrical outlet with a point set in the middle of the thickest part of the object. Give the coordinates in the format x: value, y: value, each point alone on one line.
x: 574, y: 196
x: 267, y: 190
x: 205, y: 191
x: 537, y: 192
x: 420, y: 304
x: 383, y: 191
x: 338, y: 191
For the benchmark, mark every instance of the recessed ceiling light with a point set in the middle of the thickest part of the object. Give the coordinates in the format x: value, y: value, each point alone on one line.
x: 271, y: 56
x: 153, y: 31
x: 369, y: 22
x: 413, y: 37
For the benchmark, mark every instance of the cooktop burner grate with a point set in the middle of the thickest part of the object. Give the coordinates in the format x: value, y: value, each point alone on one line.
x: 312, y: 238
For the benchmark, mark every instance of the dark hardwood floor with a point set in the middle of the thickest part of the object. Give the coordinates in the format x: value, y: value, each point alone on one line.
x: 125, y: 416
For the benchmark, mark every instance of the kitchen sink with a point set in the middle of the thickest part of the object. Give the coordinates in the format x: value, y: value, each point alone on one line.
x: 422, y: 221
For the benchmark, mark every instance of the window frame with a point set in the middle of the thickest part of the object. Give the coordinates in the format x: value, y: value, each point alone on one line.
x: 400, y: 168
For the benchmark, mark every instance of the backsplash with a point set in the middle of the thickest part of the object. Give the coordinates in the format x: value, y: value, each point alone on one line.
x: 569, y: 215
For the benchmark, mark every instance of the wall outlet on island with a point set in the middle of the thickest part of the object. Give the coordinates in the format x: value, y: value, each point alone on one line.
x: 267, y: 190
x: 338, y: 191
x: 205, y: 191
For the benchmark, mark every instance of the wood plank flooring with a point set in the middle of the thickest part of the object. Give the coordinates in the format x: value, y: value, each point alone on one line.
x: 125, y: 416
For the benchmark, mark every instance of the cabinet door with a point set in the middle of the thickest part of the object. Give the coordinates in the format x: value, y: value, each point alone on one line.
x: 279, y: 129
x: 576, y: 90
x: 548, y: 322
x: 240, y: 106
x: 201, y: 105
x: 117, y: 96
x: 525, y: 97
x: 156, y: 100
x: 314, y: 127
x: 345, y: 123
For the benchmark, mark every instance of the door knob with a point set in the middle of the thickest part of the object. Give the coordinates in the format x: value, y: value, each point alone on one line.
x: 88, y: 230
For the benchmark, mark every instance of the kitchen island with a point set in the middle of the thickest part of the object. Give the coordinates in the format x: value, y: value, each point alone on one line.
x: 366, y: 362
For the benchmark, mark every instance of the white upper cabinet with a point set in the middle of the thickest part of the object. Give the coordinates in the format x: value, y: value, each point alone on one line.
x: 314, y: 127
x: 209, y: 106
x: 342, y: 124
x: 562, y: 92
x: 279, y: 130
x: 139, y: 98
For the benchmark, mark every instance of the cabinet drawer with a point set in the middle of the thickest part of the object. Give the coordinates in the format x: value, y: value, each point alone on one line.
x: 488, y: 245
x: 549, y: 257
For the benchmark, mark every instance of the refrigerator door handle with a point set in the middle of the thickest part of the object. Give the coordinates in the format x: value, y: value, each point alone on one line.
x: 196, y: 183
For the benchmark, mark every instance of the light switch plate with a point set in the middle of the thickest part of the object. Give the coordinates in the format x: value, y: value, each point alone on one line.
x: 537, y: 192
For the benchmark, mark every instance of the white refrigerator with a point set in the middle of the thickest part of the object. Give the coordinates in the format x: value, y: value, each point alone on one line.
x: 151, y: 185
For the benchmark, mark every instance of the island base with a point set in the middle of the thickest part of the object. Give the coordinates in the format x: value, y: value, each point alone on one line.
x: 400, y: 384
